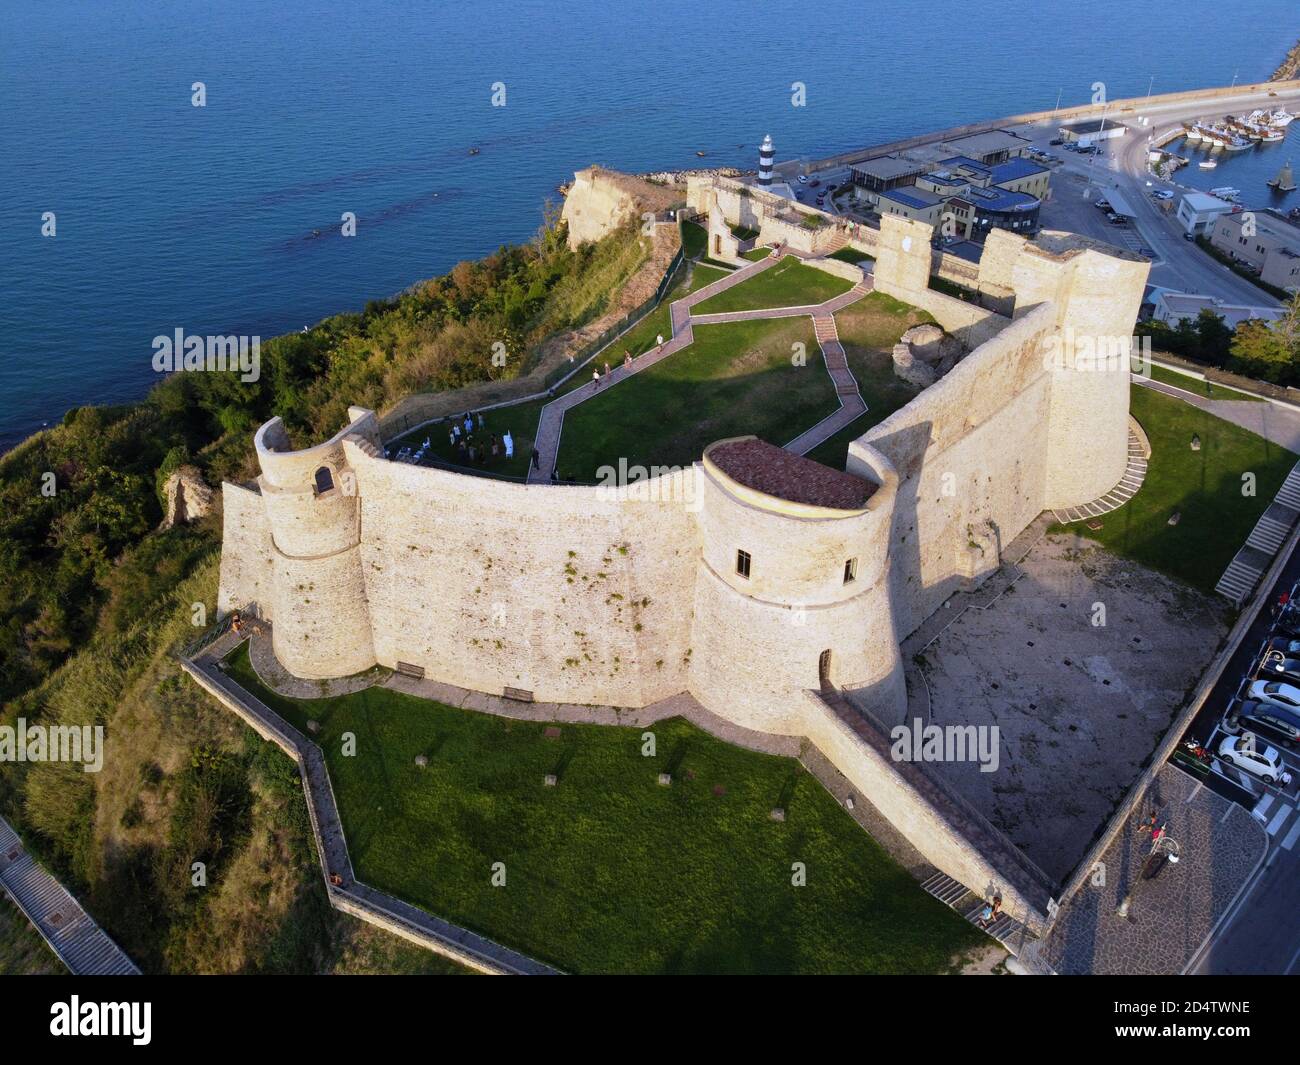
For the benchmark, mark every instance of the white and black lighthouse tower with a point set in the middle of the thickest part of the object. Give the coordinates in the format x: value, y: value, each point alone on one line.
x: 766, y: 153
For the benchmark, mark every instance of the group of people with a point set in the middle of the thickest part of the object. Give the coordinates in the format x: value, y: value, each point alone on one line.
x: 627, y: 365
x: 473, y: 445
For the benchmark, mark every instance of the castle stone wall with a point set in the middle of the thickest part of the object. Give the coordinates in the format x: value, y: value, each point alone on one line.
x: 575, y: 593
x: 971, y: 467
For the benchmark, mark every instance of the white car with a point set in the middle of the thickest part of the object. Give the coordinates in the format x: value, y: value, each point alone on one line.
x: 1245, y: 753
x: 1163, y: 194
x: 1276, y: 692
x: 803, y: 179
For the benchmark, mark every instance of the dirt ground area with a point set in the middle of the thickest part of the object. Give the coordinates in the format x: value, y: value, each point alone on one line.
x: 1079, y: 704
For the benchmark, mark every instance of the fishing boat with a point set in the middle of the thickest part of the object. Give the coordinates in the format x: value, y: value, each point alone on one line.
x: 1271, y: 135
x: 1207, y: 164
x: 1279, y: 119
x: 1193, y: 132
x: 1226, y: 192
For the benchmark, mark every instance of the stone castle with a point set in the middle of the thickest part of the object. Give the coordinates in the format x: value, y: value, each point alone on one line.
x: 758, y: 581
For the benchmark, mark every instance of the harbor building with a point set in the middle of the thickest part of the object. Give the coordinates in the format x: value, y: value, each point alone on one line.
x: 1273, y: 248
x: 1096, y: 129
x: 1198, y: 211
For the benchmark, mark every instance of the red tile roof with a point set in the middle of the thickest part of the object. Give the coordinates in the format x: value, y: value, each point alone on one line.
x: 776, y: 472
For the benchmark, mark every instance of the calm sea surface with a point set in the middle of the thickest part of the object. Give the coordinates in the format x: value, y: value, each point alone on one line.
x: 171, y: 216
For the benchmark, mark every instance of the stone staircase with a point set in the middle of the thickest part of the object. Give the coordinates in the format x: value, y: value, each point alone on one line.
x: 1264, y: 541
x: 1004, y: 928
x: 71, y: 933
x: 1135, y: 473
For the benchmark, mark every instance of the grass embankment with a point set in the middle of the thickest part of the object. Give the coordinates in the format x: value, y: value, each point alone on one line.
x: 522, y: 419
x: 868, y: 331
x: 609, y: 871
x: 1200, y: 387
x: 789, y: 283
x: 736, y: 378
x: 22, y: 951
x: 1204, y: 486
x: 183, y: 781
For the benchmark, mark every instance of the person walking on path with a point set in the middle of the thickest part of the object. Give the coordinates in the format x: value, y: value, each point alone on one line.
x: 607, y: 368
x: 627, y: 361
x: 595, y: 378
x: 536, y: 459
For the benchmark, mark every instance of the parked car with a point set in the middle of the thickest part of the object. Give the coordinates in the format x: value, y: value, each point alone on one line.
x: 814, y: 183
x: 1287, y: 646
x: 1281, y: 668
x: 1245, y: 753
x: 1055, y: 141
x: 803, y: 179
x: 1163, y: 194
x: 1253, y: 716
x: 1188, y: 236
x: 1103, y: 205
x: 1275, y: 691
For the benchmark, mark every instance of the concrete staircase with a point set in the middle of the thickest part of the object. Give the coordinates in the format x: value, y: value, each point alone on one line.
x: 1263, y: 543
x: 1004, y: 928
x: 71, y: 933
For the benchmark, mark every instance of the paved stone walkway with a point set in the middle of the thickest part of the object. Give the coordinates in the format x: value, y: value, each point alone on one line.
x: 271, y: 673
x: 1169, y: 917
x: 551, y: 423
x: 1273, y: 421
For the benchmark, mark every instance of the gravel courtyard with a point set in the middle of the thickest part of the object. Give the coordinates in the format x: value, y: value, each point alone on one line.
x: 1079, y: 705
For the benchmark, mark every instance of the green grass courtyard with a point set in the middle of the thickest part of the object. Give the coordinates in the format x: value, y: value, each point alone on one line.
x: 790, y: 283
x: 736, y: 378
x: 1206, y: 488
x: 609, y: 872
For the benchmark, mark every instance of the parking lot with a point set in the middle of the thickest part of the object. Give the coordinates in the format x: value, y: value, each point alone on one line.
x: 1081, y: 660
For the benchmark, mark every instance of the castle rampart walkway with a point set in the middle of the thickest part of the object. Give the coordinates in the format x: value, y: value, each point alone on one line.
x: 70, y: 932
x: 852, y: 405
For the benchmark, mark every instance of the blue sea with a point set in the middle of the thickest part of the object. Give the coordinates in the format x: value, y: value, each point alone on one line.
x: 205, y: 218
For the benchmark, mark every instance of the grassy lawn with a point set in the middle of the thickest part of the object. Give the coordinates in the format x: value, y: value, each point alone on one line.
x: 789, y: 283
x: 868, y: 331
x: 852, y: 255
x: 695, y: 239
x: 522, y: 418
x: 608, y: 872
x: 736, y: 378
x: 1205, y: 486
x: 743, y: 232
x: 755, y: 255
x: 1199, y: 387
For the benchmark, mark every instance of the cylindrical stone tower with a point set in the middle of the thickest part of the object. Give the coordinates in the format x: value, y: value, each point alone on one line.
x: 319, y: 614
x: 793, y: 588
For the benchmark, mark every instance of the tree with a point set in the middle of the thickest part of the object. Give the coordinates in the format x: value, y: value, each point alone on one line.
x: 1269, y: 351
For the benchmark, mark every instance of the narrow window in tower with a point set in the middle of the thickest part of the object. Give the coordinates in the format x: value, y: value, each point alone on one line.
x: 742, y: 564
x: 850, y: 570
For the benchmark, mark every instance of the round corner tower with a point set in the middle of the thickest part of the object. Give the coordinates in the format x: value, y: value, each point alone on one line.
x: 319, y: 613
x: 792, y: 592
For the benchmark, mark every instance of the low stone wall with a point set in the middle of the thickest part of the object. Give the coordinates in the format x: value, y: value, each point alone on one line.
x: 953, y: 837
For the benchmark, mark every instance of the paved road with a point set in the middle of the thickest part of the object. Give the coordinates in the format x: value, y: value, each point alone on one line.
x: 1262, y: 933
x: 1179, y: 264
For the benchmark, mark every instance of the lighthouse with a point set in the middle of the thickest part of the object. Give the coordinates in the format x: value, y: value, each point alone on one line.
x: 766, y: 153
x: 1285, y: 180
